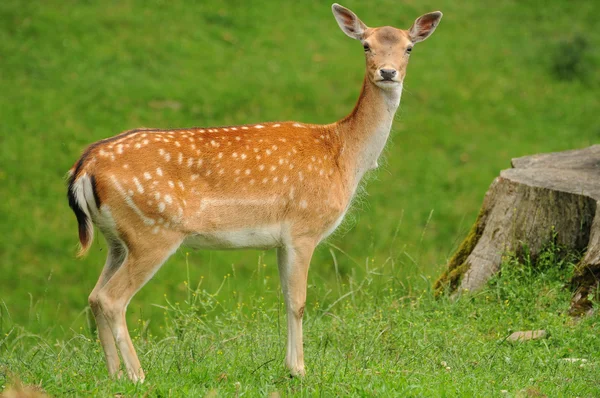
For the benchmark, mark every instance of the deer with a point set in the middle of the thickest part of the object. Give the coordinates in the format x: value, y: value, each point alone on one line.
x: 275, y: 185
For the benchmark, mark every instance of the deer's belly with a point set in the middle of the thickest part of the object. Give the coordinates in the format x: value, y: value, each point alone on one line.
x: 263, y: 237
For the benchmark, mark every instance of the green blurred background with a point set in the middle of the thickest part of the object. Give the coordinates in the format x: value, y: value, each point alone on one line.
x: 498, y: 79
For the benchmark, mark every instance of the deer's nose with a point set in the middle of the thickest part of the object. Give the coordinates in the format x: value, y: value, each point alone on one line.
x: 387, y: 74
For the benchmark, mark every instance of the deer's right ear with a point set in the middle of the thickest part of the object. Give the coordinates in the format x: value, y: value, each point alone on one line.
x: 349, y: 22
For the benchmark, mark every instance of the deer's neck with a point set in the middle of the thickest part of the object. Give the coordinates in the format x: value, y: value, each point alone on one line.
x: 366, y: 129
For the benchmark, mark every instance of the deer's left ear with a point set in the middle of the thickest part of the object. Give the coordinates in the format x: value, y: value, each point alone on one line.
x: 424, y: 26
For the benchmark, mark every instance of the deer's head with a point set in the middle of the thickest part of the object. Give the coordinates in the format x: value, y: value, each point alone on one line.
x: 387, y: 49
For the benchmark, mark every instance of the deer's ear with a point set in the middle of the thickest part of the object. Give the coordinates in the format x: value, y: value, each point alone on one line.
x: 424, y: 26
x: 349, y: 22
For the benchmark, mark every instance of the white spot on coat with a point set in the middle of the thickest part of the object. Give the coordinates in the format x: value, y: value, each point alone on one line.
x: 139, y: 186
x: 147, y: 220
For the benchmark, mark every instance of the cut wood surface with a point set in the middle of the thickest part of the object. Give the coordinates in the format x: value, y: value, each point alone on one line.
x: 543, y: 197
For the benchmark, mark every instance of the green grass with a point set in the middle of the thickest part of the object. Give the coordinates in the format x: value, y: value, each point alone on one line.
x: 495, y: 81
x: 371, y: 337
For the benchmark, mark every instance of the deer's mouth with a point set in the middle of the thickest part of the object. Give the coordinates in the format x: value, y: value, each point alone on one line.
x: 387, y: 82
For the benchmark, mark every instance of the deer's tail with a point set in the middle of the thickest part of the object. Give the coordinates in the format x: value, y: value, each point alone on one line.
x: 83, y: 199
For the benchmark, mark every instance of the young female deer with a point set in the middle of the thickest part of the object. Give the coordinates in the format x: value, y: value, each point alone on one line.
x: 281, y: 185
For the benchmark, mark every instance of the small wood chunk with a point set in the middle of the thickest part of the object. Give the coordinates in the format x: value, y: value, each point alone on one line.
x: 573, y: 360
x: 527, y: 335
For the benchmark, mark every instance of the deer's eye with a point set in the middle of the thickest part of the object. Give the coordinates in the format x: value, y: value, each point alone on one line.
x: 408, y: 50
x: 366, y: 47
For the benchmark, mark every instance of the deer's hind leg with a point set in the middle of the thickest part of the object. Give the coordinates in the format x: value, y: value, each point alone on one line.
x: 141, y: 263
x: 114, y: 259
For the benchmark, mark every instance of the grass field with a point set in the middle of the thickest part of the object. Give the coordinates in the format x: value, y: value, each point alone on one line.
x: 372, y: 337
x: 497, y: 80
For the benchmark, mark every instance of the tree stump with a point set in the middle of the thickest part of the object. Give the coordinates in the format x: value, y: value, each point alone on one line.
x: 541, y: 198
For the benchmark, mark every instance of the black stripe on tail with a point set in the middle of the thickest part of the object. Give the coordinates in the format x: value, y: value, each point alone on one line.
x: 95, y: 191
x: 82, y: 218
